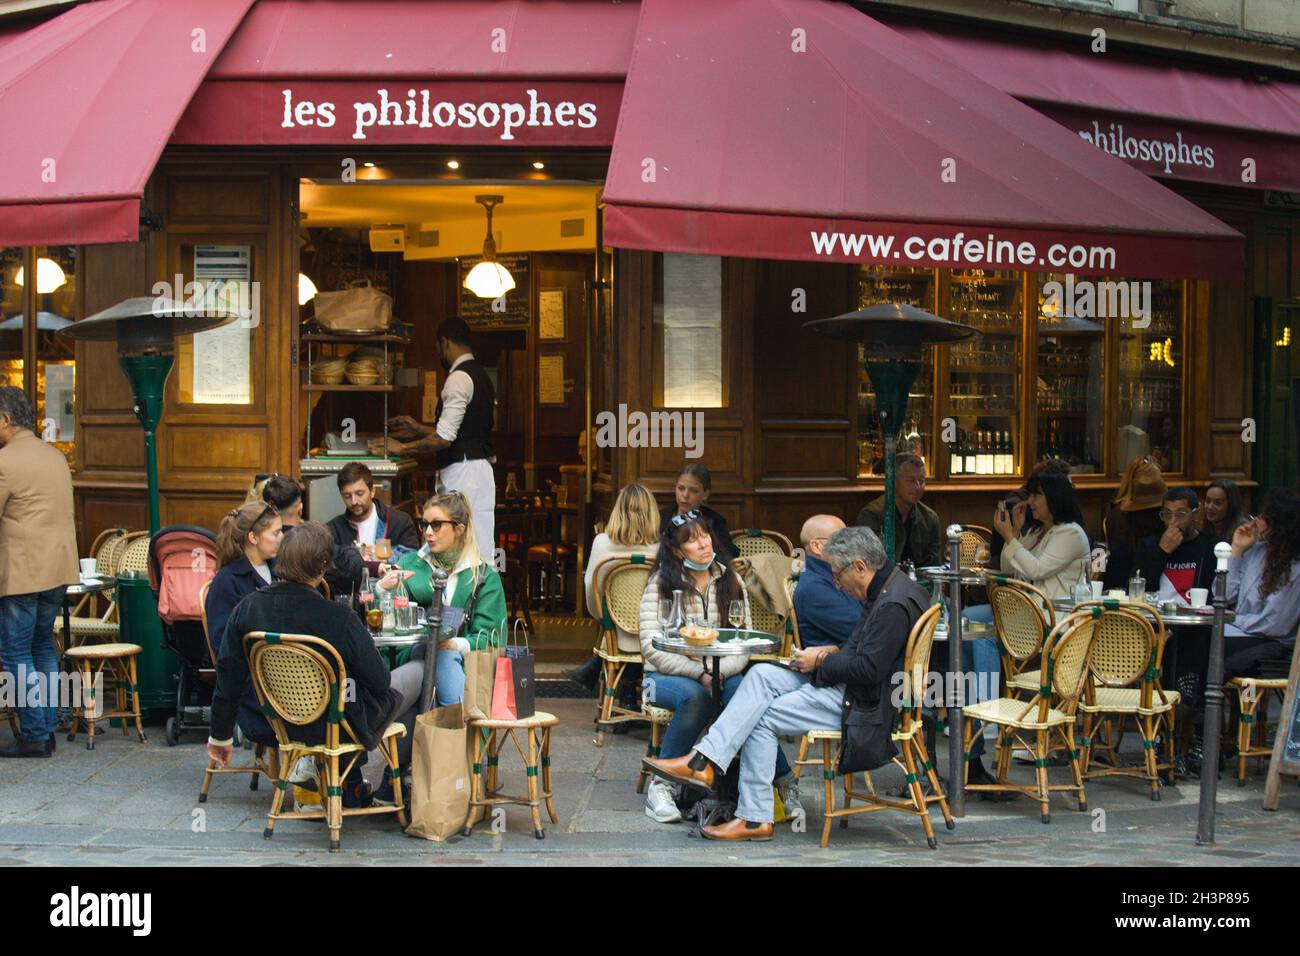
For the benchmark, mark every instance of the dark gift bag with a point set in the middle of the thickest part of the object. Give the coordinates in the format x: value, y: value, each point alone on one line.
x: 523, y: 676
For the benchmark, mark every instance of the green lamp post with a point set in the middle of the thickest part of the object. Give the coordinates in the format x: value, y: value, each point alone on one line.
x: 894, y: 335
x: 145, y: 329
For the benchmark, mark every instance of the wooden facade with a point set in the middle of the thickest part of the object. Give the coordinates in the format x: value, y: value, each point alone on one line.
x: 782, y: 448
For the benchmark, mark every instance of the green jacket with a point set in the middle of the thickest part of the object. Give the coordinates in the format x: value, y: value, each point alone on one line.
x: 919, y: 539
x: 489, y: 620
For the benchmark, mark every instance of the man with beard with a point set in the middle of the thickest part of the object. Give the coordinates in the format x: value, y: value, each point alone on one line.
x: 365, y: 521
x: 461, y: 441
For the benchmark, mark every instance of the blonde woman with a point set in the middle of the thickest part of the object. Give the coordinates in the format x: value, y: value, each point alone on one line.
x: 632, y: 529
x: 472, y: 585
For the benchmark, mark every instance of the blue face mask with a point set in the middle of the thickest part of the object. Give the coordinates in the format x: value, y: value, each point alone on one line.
x: 695, y: 567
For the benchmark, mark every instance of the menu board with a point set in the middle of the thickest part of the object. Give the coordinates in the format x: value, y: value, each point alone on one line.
x: 692, y: 326
x: 479, y: 312
x: 221, y: 356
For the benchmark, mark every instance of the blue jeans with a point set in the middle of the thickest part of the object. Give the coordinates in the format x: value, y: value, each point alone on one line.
x: 27, y: 650
x: 693, y: 711
x: 449, y: 673
x: 978, y: 613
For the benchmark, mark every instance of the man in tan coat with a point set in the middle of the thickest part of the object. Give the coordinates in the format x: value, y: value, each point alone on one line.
x: 38, y: 560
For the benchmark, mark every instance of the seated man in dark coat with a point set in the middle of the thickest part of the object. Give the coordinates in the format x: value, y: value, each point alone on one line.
x: 917, y: 537
x: 366, y: 520
x: 848, y: 689
x: 293, y: 606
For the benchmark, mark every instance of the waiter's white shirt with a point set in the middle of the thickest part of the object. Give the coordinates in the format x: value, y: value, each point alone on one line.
x: 456, y: 394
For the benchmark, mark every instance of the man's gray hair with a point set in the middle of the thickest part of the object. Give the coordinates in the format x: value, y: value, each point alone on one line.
x: 14, y: 403
x: 854, y: 544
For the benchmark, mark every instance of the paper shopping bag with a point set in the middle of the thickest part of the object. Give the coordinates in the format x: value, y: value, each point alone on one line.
x: 503, y: 691
x: 480, y: 672
x: 523, y: 671
x: 439, y: 774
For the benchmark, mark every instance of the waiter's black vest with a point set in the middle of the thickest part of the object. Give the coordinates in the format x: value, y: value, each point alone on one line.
x: 474, y: 439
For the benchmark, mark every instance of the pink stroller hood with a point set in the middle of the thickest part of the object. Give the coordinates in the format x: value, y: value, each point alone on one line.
x: 183, y: 561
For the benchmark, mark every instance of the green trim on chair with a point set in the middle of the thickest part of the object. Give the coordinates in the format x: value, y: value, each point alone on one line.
x: 546, y: 761
x: 911, y: 778
x: 333, y: 791
x: 394, y: 772
x: 754, y: 532
x: 1040, y: 764
x: 272, y: 637
x: 1246, y: 718
x: 828, y: 774
x: 532, y: 771
x: 478, y: 768
x: 332, y: 716
x: 637, y: 559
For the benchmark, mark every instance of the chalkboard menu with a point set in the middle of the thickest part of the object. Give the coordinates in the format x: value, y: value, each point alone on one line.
x: 478, y: 313
x: 1291, y: 752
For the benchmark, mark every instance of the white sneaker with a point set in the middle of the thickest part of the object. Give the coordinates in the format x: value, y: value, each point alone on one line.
x: 788, y: 788
x: 659, y: 803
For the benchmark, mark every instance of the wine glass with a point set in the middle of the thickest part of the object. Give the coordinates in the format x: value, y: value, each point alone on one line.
x: 736, y: 613
x: 666, y: 614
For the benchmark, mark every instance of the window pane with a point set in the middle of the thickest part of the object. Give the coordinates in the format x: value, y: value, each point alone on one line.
x: 1150, y: 370
x: 689, y: 331
x: 877, y: 284
x: 984, y: 372
x: 216, y: 366
x: 55, y: 358
x: 11, y: 323
x: 1071, y: 400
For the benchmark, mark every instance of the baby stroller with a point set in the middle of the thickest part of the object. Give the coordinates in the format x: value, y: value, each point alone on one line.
x: 182, y: 559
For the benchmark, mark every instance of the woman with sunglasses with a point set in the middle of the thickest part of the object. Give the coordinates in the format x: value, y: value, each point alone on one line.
x: 473, y: 586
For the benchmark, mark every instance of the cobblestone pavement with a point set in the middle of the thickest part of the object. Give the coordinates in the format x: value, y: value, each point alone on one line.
x: 133, y: 804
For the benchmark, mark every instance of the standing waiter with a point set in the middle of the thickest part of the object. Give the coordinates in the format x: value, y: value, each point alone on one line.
x: 462, y: 438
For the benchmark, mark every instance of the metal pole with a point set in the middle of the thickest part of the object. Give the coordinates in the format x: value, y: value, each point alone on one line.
x: 891, y: 449
x: 148, y: 376
x: 438, y: 581
x: 956, y: 725
x: 1213, y: 703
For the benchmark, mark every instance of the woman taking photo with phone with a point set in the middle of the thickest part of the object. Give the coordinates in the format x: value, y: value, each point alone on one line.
x: 1054, y: 555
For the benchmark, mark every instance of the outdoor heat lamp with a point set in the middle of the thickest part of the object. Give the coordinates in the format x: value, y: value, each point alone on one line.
x: 894, y: 335
x: 145, y: 329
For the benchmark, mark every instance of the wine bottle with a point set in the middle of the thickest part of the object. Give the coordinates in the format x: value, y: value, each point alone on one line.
x: 984, y: 456
x: 1006, y: 462
x: 958, y: 456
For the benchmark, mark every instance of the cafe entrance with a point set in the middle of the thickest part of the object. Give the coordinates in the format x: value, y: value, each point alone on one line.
x: 416, y: 240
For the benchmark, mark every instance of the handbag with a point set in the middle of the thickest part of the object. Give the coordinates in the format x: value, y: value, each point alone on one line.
x: 358, y: 308
x: 514, y: 691
x: 439, y: 774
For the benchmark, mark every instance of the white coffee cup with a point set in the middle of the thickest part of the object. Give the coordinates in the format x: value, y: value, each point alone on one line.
x: 1096, y: 589
x: 87, y: 568
x: 1198, y: 596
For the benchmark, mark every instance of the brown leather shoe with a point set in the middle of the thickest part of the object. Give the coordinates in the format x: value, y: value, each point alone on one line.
x: 678, y: 770
x: 737, y: 830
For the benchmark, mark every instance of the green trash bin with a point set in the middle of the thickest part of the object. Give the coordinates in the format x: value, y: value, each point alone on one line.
x: 157, y: 666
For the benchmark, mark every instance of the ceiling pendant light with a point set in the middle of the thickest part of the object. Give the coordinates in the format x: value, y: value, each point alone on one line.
x: 489, y: 279
x: 306, y: 289
x: 49, y: 276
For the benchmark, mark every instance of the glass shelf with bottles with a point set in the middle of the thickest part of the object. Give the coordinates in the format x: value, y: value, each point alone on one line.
x: 1065, y: 440
x: 984, y: 372
x: 982, y: 452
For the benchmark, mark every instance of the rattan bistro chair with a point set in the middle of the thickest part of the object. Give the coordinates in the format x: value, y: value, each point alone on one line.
x: 261, y: 765
x: 1252, y: 692
x: 1031, y: 724
x: 913, y: 759
x: 970, y: 539
x: 752, y: 541
x: 85, y: 620
x: 1125, y: 666
x: 619, y: 602
x: 1022, y: 617
x: 299, y: 679
x: 486, y: 739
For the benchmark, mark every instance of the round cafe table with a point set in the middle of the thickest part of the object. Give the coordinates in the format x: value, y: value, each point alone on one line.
x: 74, y: 593
x: 731, y: 642
x: 1183, y: 617
x: 943, y: 574
x: 720, y: 804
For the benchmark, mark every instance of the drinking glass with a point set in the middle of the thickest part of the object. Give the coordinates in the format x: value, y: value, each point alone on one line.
x: 666, y: 615
x: 383, y: 549
x: 736, y: 613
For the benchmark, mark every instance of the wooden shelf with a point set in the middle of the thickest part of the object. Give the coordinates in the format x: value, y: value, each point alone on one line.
x: 349, y: 388
x: 984, y: 370
x: 354, y: 339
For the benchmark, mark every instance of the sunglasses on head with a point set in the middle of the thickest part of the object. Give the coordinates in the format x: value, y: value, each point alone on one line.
x: 692, y: 515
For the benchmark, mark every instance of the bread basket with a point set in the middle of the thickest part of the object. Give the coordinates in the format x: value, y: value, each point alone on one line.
x: 699, y: 635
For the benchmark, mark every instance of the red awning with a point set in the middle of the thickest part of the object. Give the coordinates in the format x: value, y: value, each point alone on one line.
x: 1175, y: 121
x: 868, y: 148
x: 89, y: 99
x: 388, y: 72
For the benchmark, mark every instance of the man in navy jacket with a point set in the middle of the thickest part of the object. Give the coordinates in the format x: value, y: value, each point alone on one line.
x: 826, y: 614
